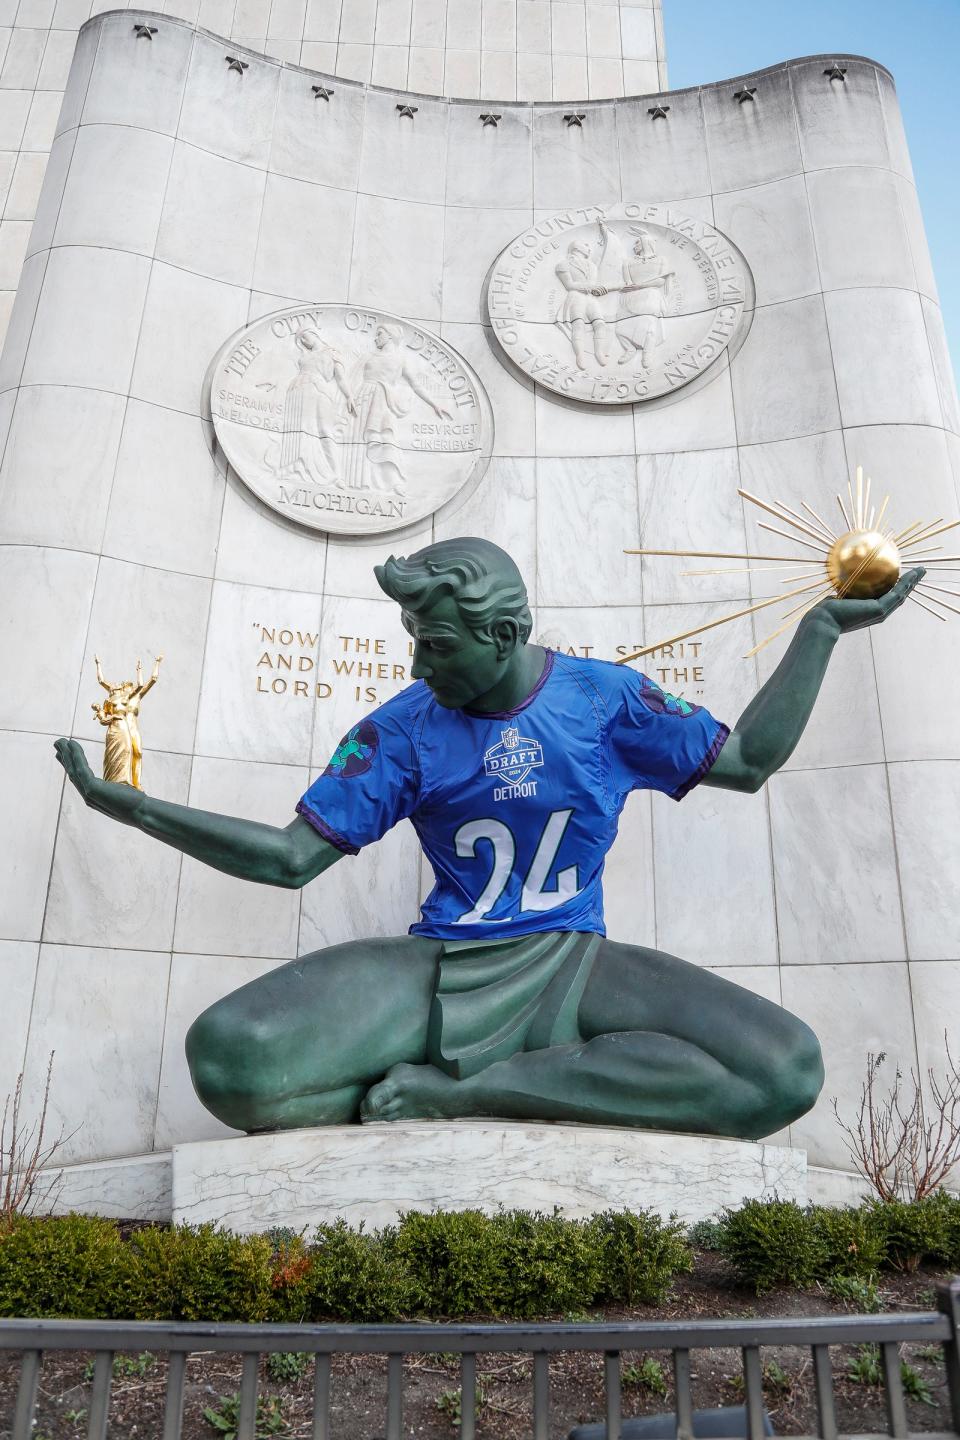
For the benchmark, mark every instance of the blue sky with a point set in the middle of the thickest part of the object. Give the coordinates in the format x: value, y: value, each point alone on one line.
x: 919, y: 42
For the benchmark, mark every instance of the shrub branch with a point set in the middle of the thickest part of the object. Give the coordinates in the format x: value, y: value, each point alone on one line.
x: 899, y: 1151
x: 24, y: 1157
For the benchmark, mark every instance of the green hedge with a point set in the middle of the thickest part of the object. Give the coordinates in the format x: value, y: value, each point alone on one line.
x: 448, y: 1264
x: 775, y: 1242
x: 445, y: 1264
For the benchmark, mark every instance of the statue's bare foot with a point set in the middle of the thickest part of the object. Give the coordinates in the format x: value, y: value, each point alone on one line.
x: 411, y: 1092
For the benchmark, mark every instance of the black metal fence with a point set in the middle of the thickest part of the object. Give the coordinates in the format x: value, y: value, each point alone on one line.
x: 104, y: 1338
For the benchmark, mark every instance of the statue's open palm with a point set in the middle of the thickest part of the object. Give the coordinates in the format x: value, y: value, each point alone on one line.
x: 120, y: 802
x: 857, y: 614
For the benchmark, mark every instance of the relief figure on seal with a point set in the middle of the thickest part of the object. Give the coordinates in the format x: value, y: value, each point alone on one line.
x: 639, y: 286
x: 387, y: 388
x: 341, y: 429
x: 579, y: 274
x: 314, y: 412
x: 647, y: 284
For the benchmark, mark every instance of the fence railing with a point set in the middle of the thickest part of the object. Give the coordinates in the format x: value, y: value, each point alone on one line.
x: 33, y: 1337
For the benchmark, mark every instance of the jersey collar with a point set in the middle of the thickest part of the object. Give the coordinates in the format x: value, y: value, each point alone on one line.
x: 506, y: 714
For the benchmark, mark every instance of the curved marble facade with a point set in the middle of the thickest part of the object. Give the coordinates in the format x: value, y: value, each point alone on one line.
x: 183, y: 199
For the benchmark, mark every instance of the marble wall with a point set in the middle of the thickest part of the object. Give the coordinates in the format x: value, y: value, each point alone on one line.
x: 500, y: 49
x: 183, y: 198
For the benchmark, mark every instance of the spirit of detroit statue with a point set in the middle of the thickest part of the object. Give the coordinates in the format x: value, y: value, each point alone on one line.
x: 513, y: 764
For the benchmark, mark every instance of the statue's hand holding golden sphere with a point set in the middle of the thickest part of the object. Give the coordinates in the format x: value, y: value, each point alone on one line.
x: 863, y: 567
x: 849, y: 613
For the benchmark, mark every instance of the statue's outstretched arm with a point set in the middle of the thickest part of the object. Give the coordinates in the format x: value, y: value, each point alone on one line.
x: 272, y: 855
x: 339, y: 375
x: 767, y: 732
x: 100, y: 676
x: 144, y: 686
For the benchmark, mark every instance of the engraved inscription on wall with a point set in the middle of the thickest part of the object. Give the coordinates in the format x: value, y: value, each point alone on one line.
x: 619, y: 305
x: 367, y: 669
x: 348, y: 420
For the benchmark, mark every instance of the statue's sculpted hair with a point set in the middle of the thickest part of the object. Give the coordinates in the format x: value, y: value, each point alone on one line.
x: 480, y: 577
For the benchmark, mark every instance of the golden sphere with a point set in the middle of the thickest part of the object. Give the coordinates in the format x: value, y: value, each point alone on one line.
x: 870, y: 557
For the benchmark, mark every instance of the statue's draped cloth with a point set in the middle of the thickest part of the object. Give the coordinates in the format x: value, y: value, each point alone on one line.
x: 495, y: 998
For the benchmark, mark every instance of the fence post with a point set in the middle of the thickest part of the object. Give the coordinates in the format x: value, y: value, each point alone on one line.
x: 27, y: 1394
x: 948, y: 1303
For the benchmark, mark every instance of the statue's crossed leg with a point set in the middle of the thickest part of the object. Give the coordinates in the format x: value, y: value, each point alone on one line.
x: 665, y: 1045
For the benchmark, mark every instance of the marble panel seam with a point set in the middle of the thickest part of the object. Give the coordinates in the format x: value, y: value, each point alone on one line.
x: 160, y: 260
x: 166, y: 1003
x: 155, y: 750
x: 86, y: 88
x: 933, y: 359
x: 346, y: 595
x: 896, y: 857
x: 36, y: 304
x: 767, y: 806
x: 887, y: 138
x: 803, y: 170
x: 315, y: 714
x: 74, y: 131
x: 833, y: 364
x: 97, y: 390
x: 36, y: 943
x: 838, y: 290
x: 201, y: 672
x: 893, y: 424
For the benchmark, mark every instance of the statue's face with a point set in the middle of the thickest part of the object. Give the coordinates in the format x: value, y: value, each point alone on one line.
x: 455, y: 663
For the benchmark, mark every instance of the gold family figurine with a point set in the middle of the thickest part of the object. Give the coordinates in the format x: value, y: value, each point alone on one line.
x: 120, y: 713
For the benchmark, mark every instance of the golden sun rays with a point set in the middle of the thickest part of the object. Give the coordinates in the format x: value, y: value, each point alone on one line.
x: 862, y: 561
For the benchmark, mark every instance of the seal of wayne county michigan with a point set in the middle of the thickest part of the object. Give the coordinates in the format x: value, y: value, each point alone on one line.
x: 618, y: 305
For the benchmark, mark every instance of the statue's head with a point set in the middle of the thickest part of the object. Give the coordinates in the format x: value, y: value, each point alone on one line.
x: 643, y: 246
x: 465, y: 605
x: 387, y: 336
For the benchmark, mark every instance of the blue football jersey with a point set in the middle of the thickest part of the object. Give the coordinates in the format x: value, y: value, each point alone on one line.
x: 515, y: 811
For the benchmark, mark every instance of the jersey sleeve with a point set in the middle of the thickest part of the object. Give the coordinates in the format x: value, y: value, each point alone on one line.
x: 371, y: 783
x: 660, y: 742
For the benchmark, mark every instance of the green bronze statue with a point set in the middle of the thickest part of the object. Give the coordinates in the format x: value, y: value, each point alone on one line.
x: 513, y: 763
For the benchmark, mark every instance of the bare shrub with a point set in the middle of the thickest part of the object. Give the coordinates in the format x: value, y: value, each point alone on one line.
x: 25, y: 1184
x: 905, y: 1144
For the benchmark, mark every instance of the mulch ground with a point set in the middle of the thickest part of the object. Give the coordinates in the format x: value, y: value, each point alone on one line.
x: 431, y: 1383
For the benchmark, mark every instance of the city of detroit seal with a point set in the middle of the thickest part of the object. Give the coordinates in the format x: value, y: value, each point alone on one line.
x: 349, y: 420
x: 621, y: 304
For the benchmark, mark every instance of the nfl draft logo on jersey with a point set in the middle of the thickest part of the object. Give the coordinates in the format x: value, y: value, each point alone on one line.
x: 510, y: 761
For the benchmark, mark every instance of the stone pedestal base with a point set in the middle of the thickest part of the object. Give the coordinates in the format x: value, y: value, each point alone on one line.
x: 373, y: 1172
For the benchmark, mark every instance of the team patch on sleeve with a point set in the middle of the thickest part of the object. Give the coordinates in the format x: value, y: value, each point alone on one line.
x: 355, y: 753
x: 662, y: 703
